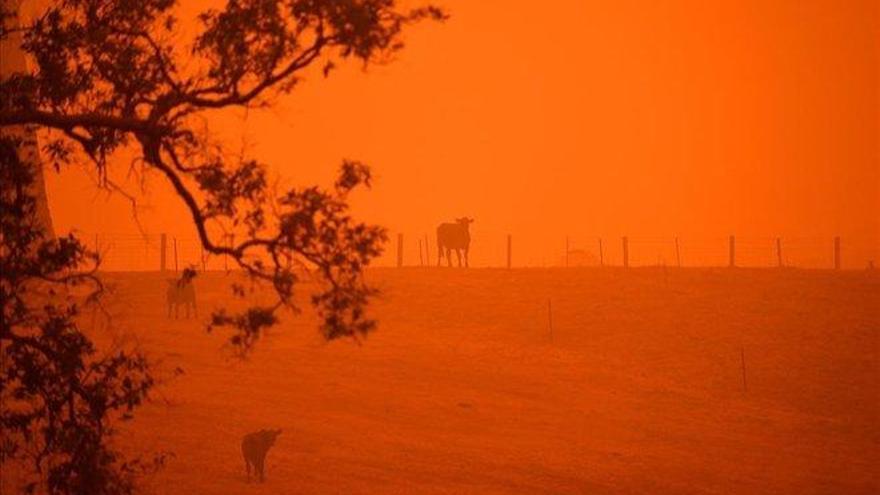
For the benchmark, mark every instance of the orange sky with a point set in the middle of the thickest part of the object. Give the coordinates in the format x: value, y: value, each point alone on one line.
x: 582, y: 118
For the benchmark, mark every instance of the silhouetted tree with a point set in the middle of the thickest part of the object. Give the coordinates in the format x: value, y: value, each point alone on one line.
x: 111, y: 75
x: 59, y: 396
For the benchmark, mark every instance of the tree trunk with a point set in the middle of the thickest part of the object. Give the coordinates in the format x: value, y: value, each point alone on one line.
x: 12, y: 60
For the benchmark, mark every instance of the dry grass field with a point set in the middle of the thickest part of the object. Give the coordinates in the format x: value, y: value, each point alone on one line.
x: 464, y: 388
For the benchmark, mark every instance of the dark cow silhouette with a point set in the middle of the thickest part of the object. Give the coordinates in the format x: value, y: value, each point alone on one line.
x: 454, y: 236
x: 254, y: 447
x: 181, y: 292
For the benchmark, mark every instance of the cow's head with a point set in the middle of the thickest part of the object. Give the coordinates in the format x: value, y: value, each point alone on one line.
x: 273, y: 434
x: 464, y: 221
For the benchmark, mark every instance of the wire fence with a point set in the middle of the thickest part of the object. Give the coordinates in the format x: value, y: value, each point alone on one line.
x: 144, y: 252
x: 499, y: 250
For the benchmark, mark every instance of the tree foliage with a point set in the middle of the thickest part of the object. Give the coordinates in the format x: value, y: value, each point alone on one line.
x: 114, y: 75
x: 59, y: 396
x: 111, y: 75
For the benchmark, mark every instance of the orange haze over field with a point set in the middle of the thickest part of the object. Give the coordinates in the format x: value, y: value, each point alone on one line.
x: 581, y: 118
x: 558, y: 123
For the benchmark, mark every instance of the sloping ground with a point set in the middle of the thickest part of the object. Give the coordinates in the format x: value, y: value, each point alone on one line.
x: 464, y: 388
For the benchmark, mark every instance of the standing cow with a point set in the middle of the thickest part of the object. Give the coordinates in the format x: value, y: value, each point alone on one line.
x: 182, y: 292
x: 454, y: 236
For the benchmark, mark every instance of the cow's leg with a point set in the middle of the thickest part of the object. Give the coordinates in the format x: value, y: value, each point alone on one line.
x: 449, y: 257
x: 458, y: 255
x: 466, y: 258
x: 439, y: 253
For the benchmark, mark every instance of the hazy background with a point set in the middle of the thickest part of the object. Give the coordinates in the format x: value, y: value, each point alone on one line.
x: 582, y: 119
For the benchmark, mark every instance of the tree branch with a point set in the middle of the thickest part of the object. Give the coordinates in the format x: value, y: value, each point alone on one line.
x: 62, y: 121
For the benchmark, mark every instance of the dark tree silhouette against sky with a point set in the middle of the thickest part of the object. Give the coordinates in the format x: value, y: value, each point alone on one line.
x: 109, y: 77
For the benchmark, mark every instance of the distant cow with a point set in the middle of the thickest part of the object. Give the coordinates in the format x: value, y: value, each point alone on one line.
x: 181, y: 292
x: 254, y: 447
x: 454, y: 236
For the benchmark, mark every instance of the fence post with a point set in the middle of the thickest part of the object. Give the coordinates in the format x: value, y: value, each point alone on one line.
x: 230, y: 240
x: 677, y: 253
x: 509, y: 243
x: 175, y: 256
x: 566, y: 251
x: 428, y: 252
x: 601, y: 254
x: 625, y: 252
x: 163, y: 247
x: 779, y: 252
x: 399, y: 250
x: 732, y: 251
x: 837, y: 252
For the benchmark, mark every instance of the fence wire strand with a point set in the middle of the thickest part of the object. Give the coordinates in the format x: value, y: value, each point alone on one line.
x: 133, y: 252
